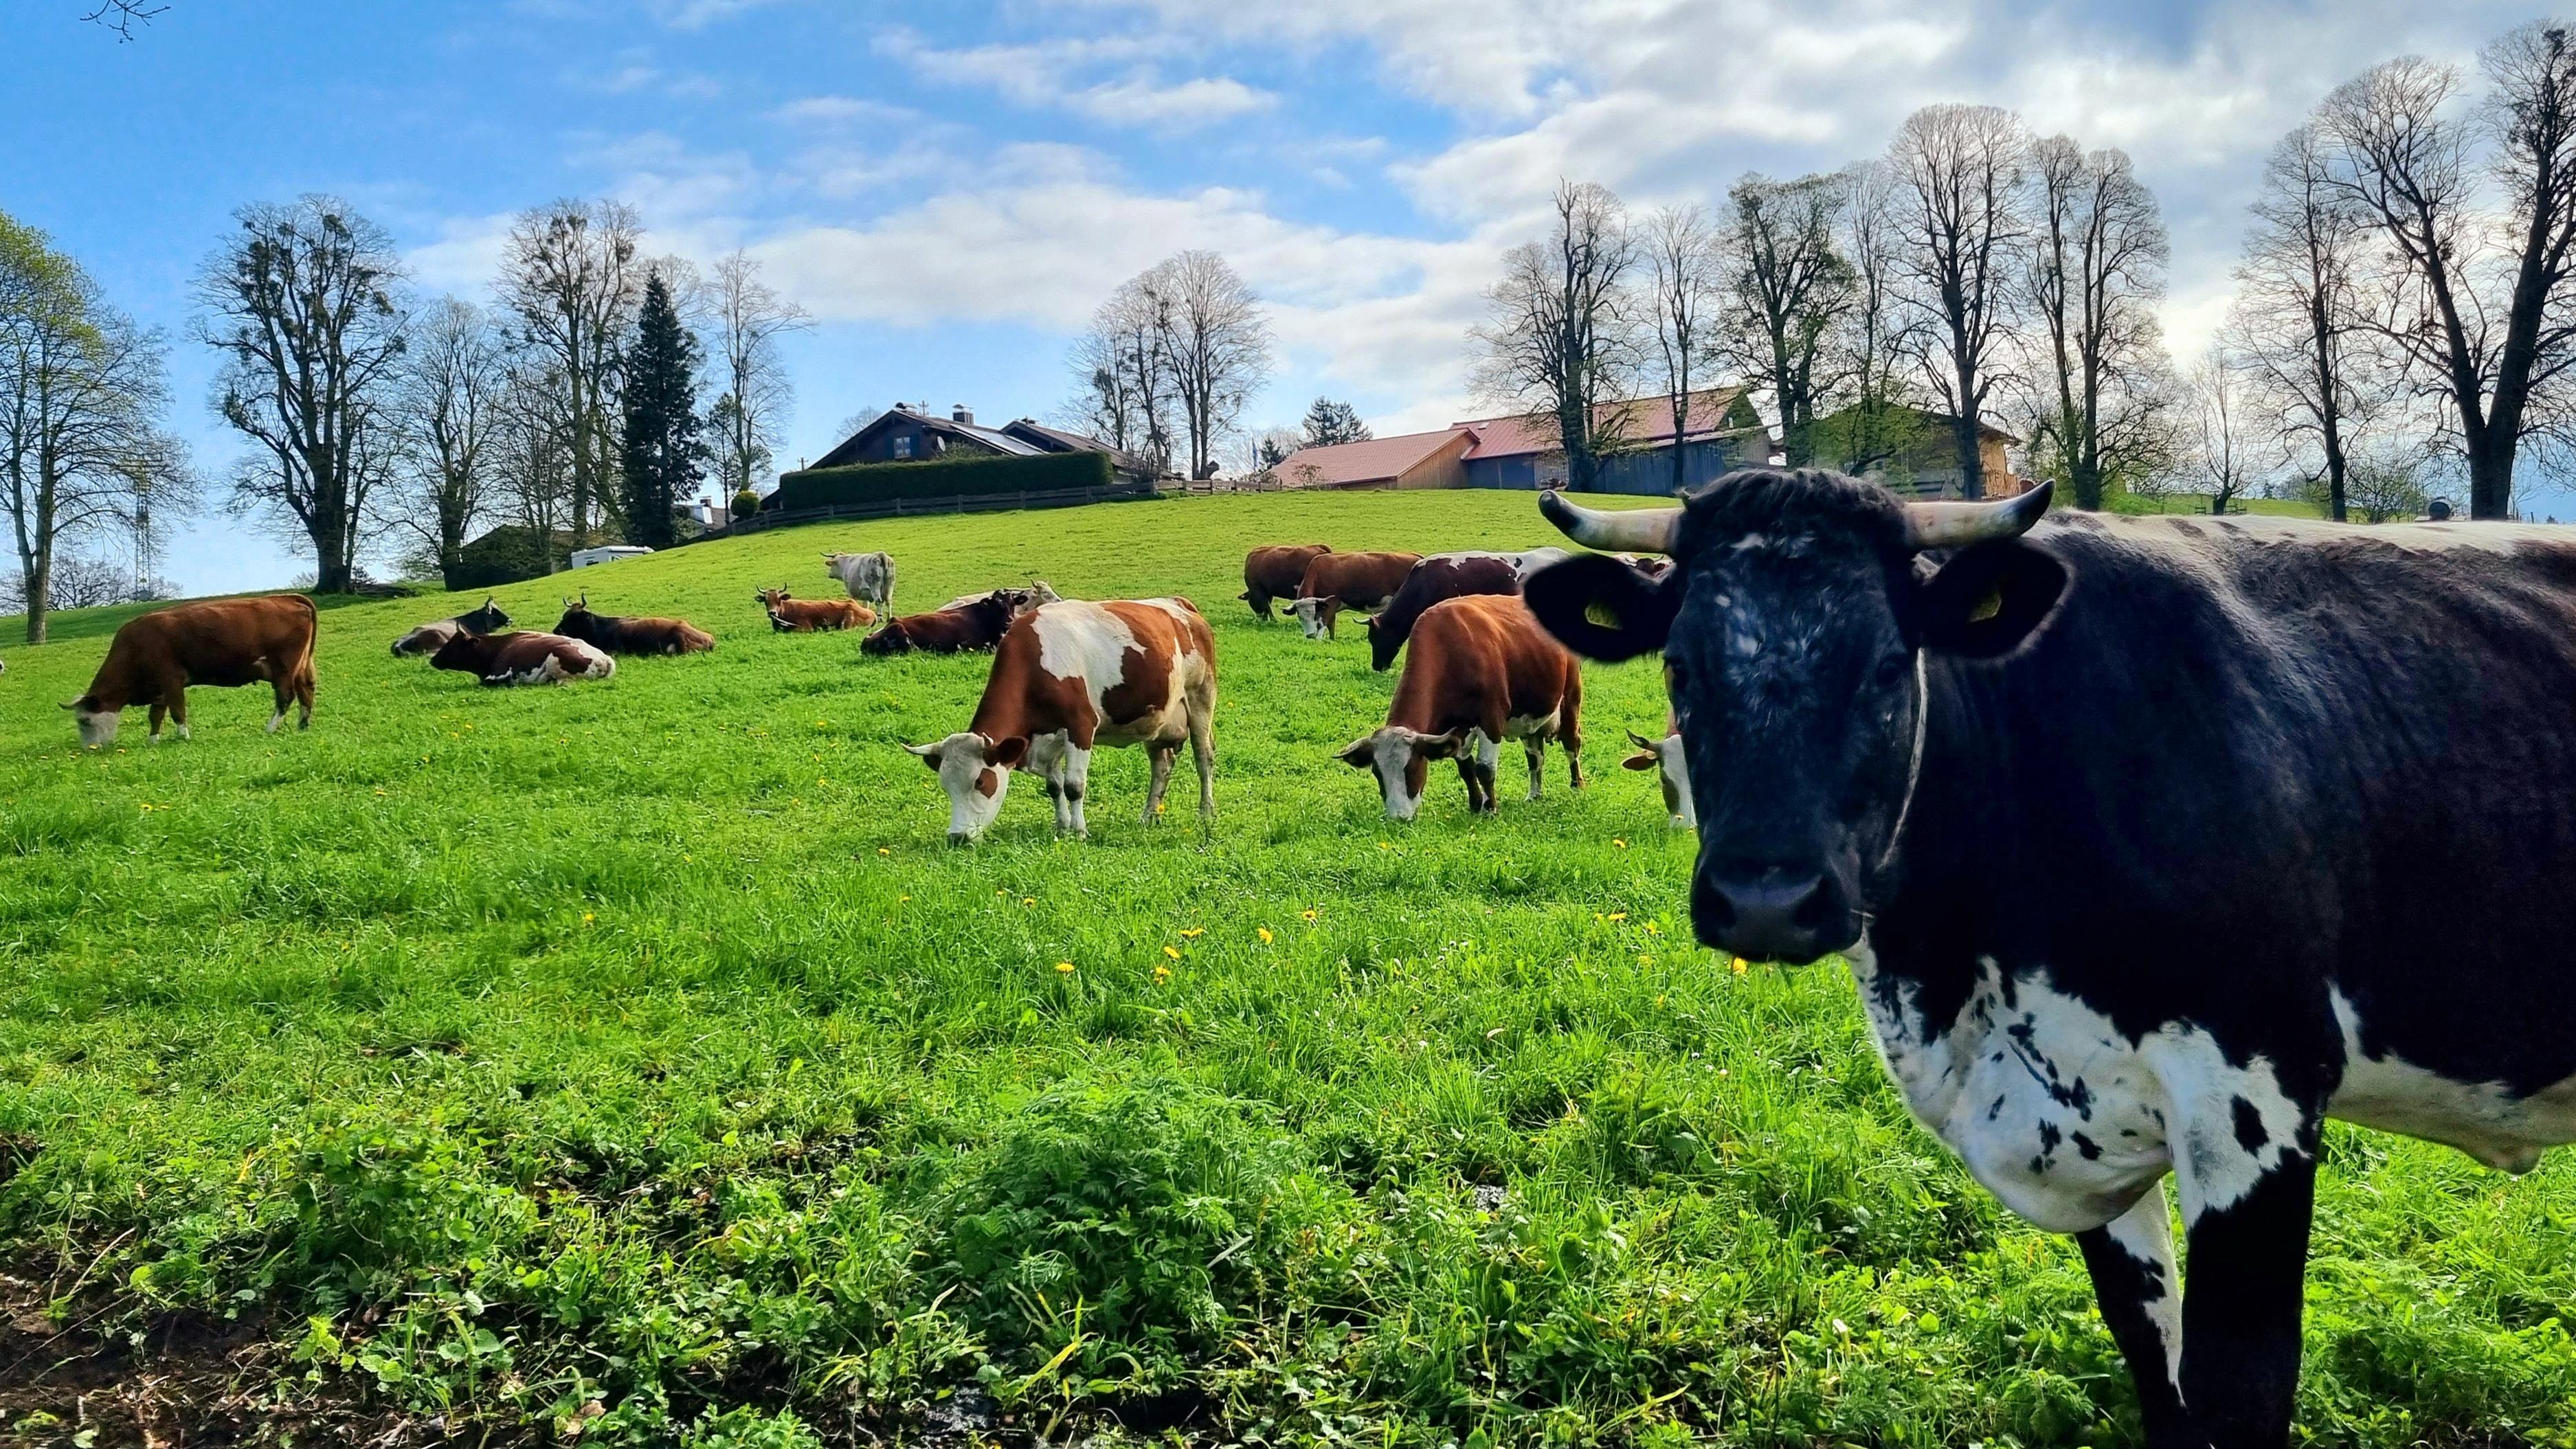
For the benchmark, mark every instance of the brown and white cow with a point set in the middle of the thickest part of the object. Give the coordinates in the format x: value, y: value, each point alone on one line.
x: 791, y: 615
x: 1273, y: 571
x: 975, y: 625
x: 226, y: 643
x: 631, y: 634
x: 429, y: 638
x: 1018, y: 599
x: 1071, y: 677
x: 1665, y: 755
x: 526, y: 657
x: 1338, y: 581
x: 1480, y: 670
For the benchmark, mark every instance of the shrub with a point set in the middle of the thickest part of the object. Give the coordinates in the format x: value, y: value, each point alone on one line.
x: 942, y: 478
x: 509, y: 554
x: 745, y: 504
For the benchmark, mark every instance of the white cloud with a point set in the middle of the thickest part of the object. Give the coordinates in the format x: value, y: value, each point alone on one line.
x: 1040, y: 77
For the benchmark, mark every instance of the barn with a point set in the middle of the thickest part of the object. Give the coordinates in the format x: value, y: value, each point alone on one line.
x: 1523, y: 453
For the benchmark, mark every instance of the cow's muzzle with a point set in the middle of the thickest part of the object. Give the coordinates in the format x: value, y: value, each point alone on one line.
x: 1772, y: 913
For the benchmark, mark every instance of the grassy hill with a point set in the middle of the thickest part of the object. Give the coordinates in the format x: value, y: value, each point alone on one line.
x: 636, y: 1060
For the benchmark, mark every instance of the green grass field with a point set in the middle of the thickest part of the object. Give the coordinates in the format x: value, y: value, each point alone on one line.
x: 635, y: 1062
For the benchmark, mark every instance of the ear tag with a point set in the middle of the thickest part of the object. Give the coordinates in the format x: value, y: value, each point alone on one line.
x: 1989, y: 606
x: 1602, y: 615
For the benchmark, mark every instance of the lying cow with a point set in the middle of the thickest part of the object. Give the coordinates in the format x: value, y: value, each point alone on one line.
x: 226, y: 643
x: 1665, y: 756
x: 428, y: 637
x: 1074, y: 676
x: 1481, y: 671
x: 869, y: 577
x: 1337, y: 581
x: 526, y: 657
x: 1273, y: 571
x: 977, y: 624
x: 1447, y: 576
x: 631, y: 634
x: 1018, y: 600
x: 790, y: 615
x: 2330, y: 880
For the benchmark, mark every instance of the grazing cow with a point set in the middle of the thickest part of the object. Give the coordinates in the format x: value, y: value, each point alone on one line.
x: 429, y: 637
x: 1338, y: 581
x: 1074, y: 676
x: 226, y: 643
x: 631, y: 634
x: 1447, y: 576
x: 1665, y: 755
x: 1481, y: 671
x: 526, y: 657
x: 789, y: 615
x: 869, y: 577
x: 1018, y: 600
x: 978, y: 624
x: 1273, y: 571
x: 2303, y: 798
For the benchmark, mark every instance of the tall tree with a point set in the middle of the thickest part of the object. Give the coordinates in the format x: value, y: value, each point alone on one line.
x: 2300, y: 321
x: 663, y: 450
x: 1216, y: 349
x: 2097, y: 275
x: 80, y: 391
x: 2222, y: 445
x: 1959, y: 173
x: 572, y: 276
x: 533, y: 456
x: 1687, y: 277
x: 1329, y: 422
x: 745, y: 419
x: 1790, y: 285
x: 1123, y: 362
x: 1561, y: 342
x: 2480, y: 307
x: 302, y: 303
x: 1877, y: 342
x: 450, y: 414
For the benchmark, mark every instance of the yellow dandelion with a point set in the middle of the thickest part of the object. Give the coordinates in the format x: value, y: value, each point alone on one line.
x: 1064, y: 968
x: 1652, y: 929
x: 1309, y: 915
x: 587, y: 918
x: 1645, y: 960
x: 1193, y: 933
x: 900, y: 899
x: 1172, y: 951
x: 1028, y: 900
x: 1616, y: 916
x: 1614, y: 840
x: 1162, y: 973
x: 1741, y: 965
x: 881, y: 850
x: 1266, y: 937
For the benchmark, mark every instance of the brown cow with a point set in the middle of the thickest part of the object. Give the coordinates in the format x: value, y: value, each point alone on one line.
x: 1338, y: 581
x: 526, y: 657
x: 1480, y: 669
x: 1274, y: 570
x: 790, y: 615
x: 1073, y: 676
x: 977, y: 625
x: 638, y: 634
x: 226, y: 643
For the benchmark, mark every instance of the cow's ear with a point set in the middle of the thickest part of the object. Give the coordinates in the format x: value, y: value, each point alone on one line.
x: 928, y: 754
x: 1641, y: 760
x: 1990, y: 598
x: 1440, y: 747
x: 1007, y: 754
x: 1601, y: 608
x: 1360, y: 753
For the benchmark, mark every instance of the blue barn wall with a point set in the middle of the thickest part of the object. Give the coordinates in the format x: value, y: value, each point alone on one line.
x: 1649, y: 472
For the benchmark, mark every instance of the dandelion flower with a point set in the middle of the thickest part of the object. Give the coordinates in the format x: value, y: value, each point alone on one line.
x: 1264, y: 932
x: 1616, y: 916
x: 1028, y: 900
x: 1309, y: 915
x: 1193, y: 933
x: 1162, y: 973
x: 1614, y: 840
x: 1172, y: 951
x: 881, y: 850
x: 587, y: 918
x: 1740, y: 965
x: 1064, y: 968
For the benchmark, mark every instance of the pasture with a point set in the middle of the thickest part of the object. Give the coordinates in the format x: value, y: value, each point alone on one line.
x: 635, y: 1062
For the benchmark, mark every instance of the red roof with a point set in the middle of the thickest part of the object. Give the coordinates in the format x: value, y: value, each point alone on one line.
x: 1342, y: 464
x: 1650, y: 424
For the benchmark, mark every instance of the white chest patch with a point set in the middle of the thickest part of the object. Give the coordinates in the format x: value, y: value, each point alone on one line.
x: 2061, y: 1115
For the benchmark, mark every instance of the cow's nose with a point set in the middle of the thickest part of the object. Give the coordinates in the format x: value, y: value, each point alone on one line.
x: 1775, y: 913
x: 961, y: 837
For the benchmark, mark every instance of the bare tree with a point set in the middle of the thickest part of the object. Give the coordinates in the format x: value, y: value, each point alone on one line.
x: 2478, y: 303
x: 1877, y: 341
x: 1790, y: 285
x: 302, y: 303
x: 573, y: 277
x: 450, y: 415
x: 1687, y: 275
x: 1216, y: 349
x: 124, y: 16
x: 1126, y: 395
x: 1958, y: 172
x: 1560, y: 342
x: 80, y: 390
x: 2223, y: 443
x: 2299, y: 323
x: 2096, y: 275
x: 532, y: 454
x: 749, y: 318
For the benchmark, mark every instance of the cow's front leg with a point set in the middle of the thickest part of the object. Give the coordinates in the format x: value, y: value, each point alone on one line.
x: 1158, y: 764
x: 1077, y: 785
x: 1534, y: 749
x: 2132, y: 1262
x: 2245, y: 1215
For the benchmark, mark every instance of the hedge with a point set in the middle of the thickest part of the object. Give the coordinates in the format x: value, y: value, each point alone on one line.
x: 939, y: 478
x: 508, y: 554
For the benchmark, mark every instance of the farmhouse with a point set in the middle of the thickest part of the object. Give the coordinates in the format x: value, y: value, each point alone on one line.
x: 1912, y: 451
x: 1524, y: 453
x: 910, y: 435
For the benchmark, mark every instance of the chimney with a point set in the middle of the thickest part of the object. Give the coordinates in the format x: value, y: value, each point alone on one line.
x: 960, y: 413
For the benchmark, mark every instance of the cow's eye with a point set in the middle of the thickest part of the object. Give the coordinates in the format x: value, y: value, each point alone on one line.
x: 1892, y: 670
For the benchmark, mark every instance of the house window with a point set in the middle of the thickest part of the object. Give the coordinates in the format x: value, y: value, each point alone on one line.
x: 903, y: 446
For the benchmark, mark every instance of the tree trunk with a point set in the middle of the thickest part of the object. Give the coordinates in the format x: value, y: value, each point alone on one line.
x: 1972, y: 463
x: 2491, y: 474
x: 40, y: 594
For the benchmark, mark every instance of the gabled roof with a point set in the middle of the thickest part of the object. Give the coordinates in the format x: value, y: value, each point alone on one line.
x: 1649, y: 425
x: 1341, y: 464
x: 993, y: 438
x: 1065, y: 440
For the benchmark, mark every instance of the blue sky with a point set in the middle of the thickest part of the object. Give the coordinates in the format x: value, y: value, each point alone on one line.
x: 950, y: 187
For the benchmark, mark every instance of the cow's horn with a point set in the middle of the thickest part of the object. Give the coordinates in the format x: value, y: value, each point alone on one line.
x: 1956, y: 525
x: 1643, y: 530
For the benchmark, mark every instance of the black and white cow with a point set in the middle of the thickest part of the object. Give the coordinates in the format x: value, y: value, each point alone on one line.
x: 2151, y: 843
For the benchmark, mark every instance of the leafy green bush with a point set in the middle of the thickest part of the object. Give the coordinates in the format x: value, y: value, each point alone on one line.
x: 509, y: 554
x: 745, y: 504
x: 940, y: 478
